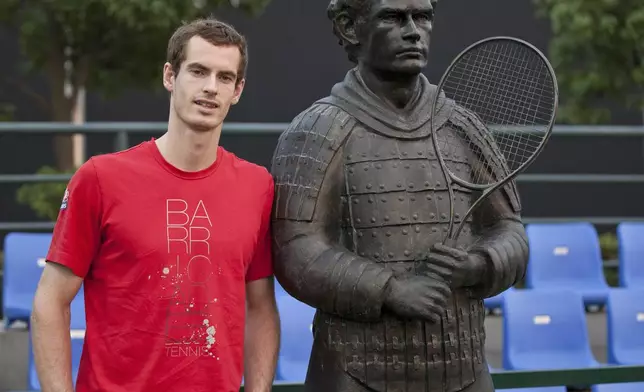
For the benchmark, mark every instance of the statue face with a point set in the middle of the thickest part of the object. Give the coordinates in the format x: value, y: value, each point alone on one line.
x: 395, y: 36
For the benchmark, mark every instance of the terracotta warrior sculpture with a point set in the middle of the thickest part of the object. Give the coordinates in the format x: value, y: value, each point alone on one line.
x: 361, y: 208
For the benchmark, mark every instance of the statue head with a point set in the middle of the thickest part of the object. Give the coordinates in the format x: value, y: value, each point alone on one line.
x: 389, y: 36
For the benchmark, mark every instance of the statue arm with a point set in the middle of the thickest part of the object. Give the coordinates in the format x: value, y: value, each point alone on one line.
x: 501, y: 249
x: 310, y: 262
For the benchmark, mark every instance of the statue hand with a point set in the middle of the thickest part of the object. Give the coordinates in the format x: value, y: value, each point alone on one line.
x: 457, y: 266
x: 442, y: 261
x: 417, y: 297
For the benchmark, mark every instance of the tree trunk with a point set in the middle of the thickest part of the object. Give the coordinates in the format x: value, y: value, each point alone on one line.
x: 79, y: 81
x: 78, y: 118
x: 63, y: 108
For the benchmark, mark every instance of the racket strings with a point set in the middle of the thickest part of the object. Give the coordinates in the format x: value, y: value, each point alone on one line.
x: 510, y: 94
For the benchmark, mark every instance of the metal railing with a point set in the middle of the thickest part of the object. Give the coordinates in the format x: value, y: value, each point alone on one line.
x: 123, y: 130
x: 539, y: 378
x: 503, y: 379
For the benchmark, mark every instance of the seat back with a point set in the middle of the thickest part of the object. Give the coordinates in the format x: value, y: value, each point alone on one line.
x: 25, y: 255
x: 24, y: 259
x: 536, y: 389
x: 564, y: 254
x: 625, y: 326
x: 630, y: 237
x: 279, y: 290
x: 542, y: 326
x: 77, y: 309
x: 496, y: 302
x: 619, y: 387
x: 295, y: 349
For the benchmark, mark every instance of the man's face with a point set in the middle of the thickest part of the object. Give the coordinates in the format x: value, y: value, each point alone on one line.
x: 395, y: 35
x: 205, y: 85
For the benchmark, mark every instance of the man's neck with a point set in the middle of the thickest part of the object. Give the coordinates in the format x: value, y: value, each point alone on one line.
x: 189, y: 150
x: 397, y: 90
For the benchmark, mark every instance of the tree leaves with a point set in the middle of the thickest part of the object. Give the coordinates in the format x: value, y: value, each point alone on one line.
x: 597, y: 51
x: 122, y: 42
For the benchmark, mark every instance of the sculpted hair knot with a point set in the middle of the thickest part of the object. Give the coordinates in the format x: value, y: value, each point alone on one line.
x: 343, y: 13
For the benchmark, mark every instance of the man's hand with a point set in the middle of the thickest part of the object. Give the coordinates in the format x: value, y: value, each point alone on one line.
x: 50, y: 327
x: 262, y: 336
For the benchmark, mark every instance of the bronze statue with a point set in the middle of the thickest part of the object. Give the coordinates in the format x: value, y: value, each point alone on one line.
x: 361, y: 208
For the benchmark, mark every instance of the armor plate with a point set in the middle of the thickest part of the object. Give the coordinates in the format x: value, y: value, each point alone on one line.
x: 354, y: 206
x: 395, y: 206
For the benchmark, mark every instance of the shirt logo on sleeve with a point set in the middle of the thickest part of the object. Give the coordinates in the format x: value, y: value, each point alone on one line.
x: 65, y: 199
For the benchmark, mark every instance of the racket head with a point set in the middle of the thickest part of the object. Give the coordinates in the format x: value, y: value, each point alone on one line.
x: 506, y: 93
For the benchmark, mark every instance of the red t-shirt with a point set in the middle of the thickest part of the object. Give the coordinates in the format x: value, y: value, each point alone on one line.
x: 165, y: 255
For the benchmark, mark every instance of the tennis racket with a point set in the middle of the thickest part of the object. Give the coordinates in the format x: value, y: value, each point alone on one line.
x: 509, y: 89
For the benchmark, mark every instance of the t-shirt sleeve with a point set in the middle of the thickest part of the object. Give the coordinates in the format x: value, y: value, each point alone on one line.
x: 77, y: 232
x: 261, y: 265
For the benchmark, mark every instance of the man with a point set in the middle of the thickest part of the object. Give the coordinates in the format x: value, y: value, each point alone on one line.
x: 361, y: 210
x: 171, y: 239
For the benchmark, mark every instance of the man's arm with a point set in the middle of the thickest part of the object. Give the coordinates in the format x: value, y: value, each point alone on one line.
x: 310, y: 261
x: 262, y: 339
x: 75, y: 241
x: 50, y: 327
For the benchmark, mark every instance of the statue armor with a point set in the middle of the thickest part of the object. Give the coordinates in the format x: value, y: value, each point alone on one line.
x: 360, y: 197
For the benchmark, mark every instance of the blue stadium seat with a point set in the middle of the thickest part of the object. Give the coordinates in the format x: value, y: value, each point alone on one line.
x: 496, y: 302
x: 567, y: 256
x: 296, y: 320
x: 279, y: 290
x: 619, y: 387
x: 625, y: 326
x: 630, y: 237
x: 77, y: 310
x: 535, y: 389
x: 545, y: 329
x: 23, y: 264
x: 77, y: 342
x: 24, y: 259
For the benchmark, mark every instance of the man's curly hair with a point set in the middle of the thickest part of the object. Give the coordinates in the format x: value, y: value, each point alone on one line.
x: 354, y: 10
